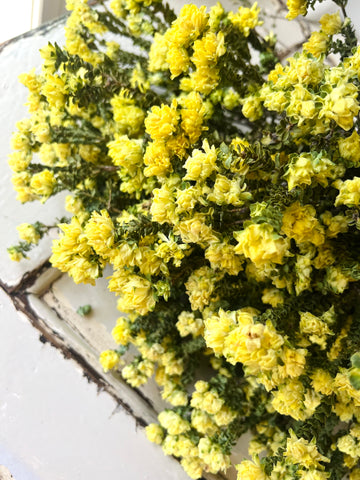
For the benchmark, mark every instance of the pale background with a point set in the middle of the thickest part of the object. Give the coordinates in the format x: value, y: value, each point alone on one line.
x: 54, y: 424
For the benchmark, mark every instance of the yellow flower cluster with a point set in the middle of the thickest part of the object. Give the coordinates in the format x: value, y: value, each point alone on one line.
x: 303, y: 452
x: 296, y: 7
x: 209, y: 414
x: 261, y: 350
x: 128, y: 117
x: 305, y: 168
x: 189, y: 33
x: 28, y: 233
x: 81, y: 19
x: 249, y: 470
x: 73, y: 254
x: 349, y: 192
x: 246, y: 19
x: 109, y: 360
x: 261, y: 244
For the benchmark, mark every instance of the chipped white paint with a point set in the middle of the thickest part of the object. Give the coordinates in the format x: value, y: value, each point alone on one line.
x: 5, y: 473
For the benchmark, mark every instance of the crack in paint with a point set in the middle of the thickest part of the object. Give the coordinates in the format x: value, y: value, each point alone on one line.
x: 27, y: 280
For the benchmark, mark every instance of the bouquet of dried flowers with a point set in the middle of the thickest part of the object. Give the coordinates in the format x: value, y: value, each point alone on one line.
x: 223, y: 188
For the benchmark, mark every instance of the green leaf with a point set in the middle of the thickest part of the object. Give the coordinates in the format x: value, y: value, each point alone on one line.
x: 354, y: 378
x: 355, y: 360
x: 84, y: 310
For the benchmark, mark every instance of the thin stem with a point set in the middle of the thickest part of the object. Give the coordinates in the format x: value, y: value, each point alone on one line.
x: 108, y: 206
